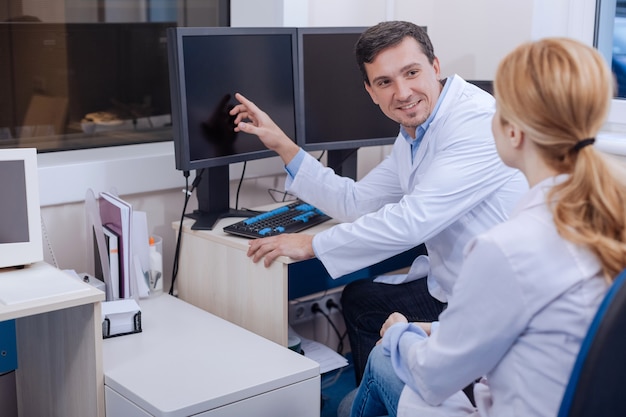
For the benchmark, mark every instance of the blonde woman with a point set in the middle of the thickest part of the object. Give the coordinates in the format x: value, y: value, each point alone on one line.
x: 529, y: 287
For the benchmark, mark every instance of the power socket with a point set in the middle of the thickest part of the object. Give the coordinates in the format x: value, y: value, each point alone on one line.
x: 301, y: 310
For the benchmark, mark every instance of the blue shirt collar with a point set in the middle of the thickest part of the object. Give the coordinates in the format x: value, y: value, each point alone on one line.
x: 421, y: 129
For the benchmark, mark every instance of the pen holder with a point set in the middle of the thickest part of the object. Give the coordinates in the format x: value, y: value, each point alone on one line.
x: 155, y: 277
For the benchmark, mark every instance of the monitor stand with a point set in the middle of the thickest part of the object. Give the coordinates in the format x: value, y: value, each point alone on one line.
x: 343, y: 162
x: 213, y: 194
x: 207, y: 220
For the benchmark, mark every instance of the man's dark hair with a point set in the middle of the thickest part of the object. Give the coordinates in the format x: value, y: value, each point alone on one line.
x: 386, y: 34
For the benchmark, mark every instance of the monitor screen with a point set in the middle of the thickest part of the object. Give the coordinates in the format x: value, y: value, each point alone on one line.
x: 207, y: 67
x: 336, y: 110
x: 212, y: 64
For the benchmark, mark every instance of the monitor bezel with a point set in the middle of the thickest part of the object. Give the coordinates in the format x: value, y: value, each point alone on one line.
x: 17, y: 254
x: 179, y: 99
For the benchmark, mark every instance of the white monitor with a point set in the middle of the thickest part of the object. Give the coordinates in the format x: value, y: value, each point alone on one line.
x: 20, y: 219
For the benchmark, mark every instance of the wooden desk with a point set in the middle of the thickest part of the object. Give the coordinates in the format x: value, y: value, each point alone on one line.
x: 59, y: 341
x: 215, y: 274
x: 189, y: 362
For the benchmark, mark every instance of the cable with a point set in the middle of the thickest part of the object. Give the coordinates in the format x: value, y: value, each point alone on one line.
x: 283, y: 193
x: 188, y: 192
x: 315, y: 308
x: 44, y: 231
x: 330, y: 304
x: 243, y: 172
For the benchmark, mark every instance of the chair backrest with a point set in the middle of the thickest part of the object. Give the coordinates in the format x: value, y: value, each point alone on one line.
x: 597, y: 384
x: 486, y: 85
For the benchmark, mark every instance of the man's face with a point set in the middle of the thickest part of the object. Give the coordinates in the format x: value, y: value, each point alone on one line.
x: 404, y: 84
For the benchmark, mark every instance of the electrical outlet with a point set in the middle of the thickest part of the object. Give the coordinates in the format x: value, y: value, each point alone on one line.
x: 301, y: 310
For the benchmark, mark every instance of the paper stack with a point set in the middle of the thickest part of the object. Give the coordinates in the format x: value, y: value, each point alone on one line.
x: 120, y: 317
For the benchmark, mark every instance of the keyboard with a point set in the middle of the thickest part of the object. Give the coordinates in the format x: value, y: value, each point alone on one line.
x: 291, y: 218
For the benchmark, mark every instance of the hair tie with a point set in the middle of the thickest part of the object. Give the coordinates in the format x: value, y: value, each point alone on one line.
x: 582, y: 143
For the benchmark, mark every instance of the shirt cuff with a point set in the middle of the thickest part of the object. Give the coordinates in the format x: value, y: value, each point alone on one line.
x: 433, y: 327
x: 294, y: 165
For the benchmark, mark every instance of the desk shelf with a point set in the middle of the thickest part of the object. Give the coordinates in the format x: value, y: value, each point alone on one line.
x: 59, y: 342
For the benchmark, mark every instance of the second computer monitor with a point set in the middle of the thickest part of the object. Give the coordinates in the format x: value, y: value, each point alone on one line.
x: 336, y: 112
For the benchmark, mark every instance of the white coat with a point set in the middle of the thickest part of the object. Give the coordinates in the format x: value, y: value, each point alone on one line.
x: 518, y: 313
x: 455, y: 188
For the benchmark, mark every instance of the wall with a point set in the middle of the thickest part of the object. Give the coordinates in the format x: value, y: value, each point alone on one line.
x: 470, y: 37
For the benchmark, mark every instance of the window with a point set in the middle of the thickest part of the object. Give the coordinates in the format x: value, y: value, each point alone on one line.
x: 97, y: 77
x: 618, y: 59
x: 610, y: 39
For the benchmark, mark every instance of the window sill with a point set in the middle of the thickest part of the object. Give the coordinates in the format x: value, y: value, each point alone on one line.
x: 65, y: 177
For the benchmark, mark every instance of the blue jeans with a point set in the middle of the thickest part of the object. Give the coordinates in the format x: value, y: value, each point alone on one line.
x: 379, y: 391
x: 367, y: 304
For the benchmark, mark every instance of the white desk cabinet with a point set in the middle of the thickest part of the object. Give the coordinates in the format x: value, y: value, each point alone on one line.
x: 189, y: 362
x: 59, y: 341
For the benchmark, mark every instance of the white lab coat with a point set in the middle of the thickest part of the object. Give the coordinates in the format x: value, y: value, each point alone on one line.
x: 456, y: 188
x: 518, y: 313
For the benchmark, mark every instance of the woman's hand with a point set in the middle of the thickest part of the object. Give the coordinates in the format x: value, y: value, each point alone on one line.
x: 400, y: 318
x: 391, y: 320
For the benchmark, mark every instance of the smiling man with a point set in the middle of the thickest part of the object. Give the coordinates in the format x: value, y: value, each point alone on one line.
x: 442, y: 184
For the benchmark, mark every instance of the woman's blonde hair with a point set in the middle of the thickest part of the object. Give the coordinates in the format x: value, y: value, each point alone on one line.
x: 559, y: 91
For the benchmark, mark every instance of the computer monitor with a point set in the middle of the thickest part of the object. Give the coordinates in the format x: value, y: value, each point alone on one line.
x: 207, y: 67
x: 20, y: 224
x: 337, y: 114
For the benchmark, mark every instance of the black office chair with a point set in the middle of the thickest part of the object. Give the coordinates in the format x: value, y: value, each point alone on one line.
x: 486, y: 85
x: 597, y: 384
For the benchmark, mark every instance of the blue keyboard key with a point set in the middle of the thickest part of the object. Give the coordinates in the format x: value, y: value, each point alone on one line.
x: 265, y: 231
x: 304, y: 217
